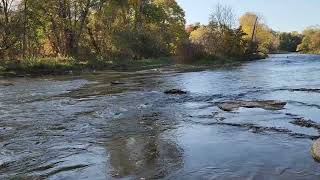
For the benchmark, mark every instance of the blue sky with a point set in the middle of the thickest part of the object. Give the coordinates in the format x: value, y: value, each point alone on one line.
x: 281, y: 15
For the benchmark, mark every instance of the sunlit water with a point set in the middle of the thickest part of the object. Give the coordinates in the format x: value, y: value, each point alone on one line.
x: 89, y: 128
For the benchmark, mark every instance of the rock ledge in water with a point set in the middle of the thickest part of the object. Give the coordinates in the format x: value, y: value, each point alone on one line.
x: 175, y: 91
x: 114, y: 83
x: 315, y: 151
x: 305, y: 123
x: 303, y: 90
x: 267, y: 105
x: 5, y: 83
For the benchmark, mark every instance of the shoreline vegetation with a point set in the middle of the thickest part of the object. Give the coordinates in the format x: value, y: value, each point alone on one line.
x: 53, y: 37
x: 62, y: 66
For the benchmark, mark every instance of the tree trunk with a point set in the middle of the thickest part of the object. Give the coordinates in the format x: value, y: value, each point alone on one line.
x: 254, y: 30
x: 25, y: 29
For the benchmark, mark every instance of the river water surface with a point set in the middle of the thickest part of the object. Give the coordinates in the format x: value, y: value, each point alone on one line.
x: 114, y: 125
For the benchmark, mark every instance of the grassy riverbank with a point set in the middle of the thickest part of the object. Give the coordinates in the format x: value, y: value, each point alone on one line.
x: 61, y: 66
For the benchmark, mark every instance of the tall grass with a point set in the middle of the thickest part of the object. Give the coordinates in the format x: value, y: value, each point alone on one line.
x: 62, y: 65
x: 40, y: 65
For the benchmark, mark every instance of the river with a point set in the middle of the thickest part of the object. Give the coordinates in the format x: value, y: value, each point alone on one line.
x: 120, y: 125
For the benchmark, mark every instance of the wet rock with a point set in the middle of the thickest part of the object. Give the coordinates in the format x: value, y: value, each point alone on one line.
x: 302, y: 90
x: 290, y: 114
x: 260, y: 129
x: 5, y: 83
x: 114, y: 83
x: 267, y: 105
x: 175, y: 91
x: 66, y: 169
x: 8, y: 84
x: 315, y: 150
x: 305, y: 123
x: 4, y: 162
x: 143, y: 106
x: 57, y: 128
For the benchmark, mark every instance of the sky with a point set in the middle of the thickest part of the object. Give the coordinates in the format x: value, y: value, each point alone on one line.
x: 280, y: 15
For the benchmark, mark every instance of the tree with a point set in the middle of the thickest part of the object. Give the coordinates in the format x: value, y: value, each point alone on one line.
x: 311, y: 41
x: 289, y: 41
x: 192, y: 27
x: 10, y: 28
x: 223, y: 16
x: 207, y: 38
x: 103, y: 29
x: 220, y: 38
x: 262, y: 38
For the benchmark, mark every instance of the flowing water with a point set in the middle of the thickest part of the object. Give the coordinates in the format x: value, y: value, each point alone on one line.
x: 114, y: 125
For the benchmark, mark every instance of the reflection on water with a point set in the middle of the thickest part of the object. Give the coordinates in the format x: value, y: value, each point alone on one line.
x: 147, y: 157
x: 116, y: 125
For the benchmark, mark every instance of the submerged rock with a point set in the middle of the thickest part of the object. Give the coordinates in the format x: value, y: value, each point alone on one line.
x: 315, y: 150
x: 116, y: 83
x: 260, y: 129
x: 267, y: 105
x: 175, y: 91
x: 305, y: 123
x: 5, y: 83
x: 302, y: 90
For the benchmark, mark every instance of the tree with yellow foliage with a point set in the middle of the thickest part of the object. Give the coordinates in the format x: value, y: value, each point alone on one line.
x: 259, y: 33
x: 311, y: 41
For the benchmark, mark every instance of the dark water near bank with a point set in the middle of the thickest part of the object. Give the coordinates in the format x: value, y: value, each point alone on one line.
x: 88, y: 128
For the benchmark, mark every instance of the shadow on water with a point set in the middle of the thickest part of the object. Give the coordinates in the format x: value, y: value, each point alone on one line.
x: 147, y: 157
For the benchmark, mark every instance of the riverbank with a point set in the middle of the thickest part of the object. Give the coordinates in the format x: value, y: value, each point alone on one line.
x: 63, y: 66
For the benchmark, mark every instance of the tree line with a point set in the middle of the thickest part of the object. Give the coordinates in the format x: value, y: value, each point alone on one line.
x: 110, y: 30
x: 107, y: 29
x: 226, y: 35
x: 310, y: 41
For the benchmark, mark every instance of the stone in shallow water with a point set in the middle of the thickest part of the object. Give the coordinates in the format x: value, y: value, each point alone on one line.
x: 316, y: 150
x: 267, y: 105
x: 175, y: 91
x: 303, y: 90
x: 116, y: 83
x: 6, y: 83
x: 305, y: 123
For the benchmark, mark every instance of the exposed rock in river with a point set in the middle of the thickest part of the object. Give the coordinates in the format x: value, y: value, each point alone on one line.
x: 315, y: 150
x: 116, y: 83
x: 5, y: 83
x: 302, y: 90
x: 259, y: 129
x: 175, y: 91
x: 267, y: 105
x: 305, y: 123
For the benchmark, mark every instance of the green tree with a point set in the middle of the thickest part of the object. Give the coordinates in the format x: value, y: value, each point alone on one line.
x: 105, y: 29
x: 11, y: 29
x: 263, y: 38
x: 311, y: 41
x: 289, y: 41
x: 220, y: 38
